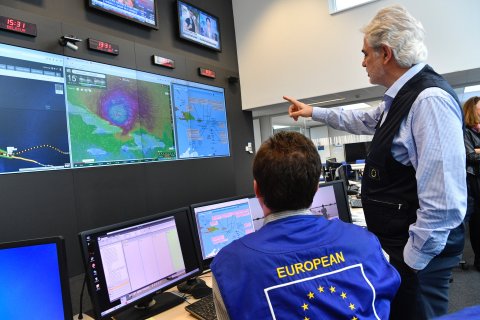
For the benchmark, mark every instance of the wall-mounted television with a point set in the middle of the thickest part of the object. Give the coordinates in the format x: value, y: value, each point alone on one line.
x: 198, y: 26
x: 139, y: 11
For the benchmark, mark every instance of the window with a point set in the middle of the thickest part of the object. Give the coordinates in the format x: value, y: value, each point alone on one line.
x: 342, y: 5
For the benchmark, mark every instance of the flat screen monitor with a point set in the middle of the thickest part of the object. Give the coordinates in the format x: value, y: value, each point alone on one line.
x: 140, y: 11
x: 198, y: 26
x: 34, y: 280
x: 128, y: 263
x: 60, y: 112
x: 257, y: 212
x: 330, y: 166
x: 356, y: 151
x: 219, y: 222
x: 331, y: 201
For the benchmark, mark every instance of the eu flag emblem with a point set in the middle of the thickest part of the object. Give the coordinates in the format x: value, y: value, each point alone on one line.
x: 345, y: 293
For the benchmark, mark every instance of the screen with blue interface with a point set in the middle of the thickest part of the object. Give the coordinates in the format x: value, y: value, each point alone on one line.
x: 34, y: 281
x: 201, y: 122
x: 220, y: 222
x: 60, y: 112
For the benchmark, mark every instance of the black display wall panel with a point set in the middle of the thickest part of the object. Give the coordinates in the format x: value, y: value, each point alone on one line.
x: 40, y: 204
x: 201, y: 179
x: 68, y: 201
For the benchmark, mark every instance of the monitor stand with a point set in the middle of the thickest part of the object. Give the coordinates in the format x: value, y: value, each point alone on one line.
x: 150, y: 308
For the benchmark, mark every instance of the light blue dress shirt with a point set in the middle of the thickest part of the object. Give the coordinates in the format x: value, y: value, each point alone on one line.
x: 430, y: 139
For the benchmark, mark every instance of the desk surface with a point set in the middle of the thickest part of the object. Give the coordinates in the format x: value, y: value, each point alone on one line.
x: 175, y: 313
x: 179, y: 311
x: 357, y: 166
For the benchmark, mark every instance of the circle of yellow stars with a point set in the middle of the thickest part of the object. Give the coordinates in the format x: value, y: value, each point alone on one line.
x: 332, y: 289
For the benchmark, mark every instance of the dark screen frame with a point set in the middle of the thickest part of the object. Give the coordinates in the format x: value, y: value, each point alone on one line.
x: 200, y: 43
x: 155, y: 26
x: 59, y: 242
x: 186, y: 241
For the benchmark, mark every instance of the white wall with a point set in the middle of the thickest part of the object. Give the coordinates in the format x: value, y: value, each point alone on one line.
x: 294, y: 47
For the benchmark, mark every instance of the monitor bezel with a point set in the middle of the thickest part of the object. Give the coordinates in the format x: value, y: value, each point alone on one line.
x: 340, y: 190
x: 112, y: 228
x: 198, y: 246
x: 200, y: 43
x: 59, y: 242
x: 155, y: 26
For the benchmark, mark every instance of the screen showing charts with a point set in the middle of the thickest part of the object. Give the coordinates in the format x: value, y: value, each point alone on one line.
x: 60, y: 112
x: 220, y: 223
x: 132, y: 261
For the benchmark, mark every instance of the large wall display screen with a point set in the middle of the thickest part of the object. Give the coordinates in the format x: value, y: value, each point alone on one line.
x: 59, y: 112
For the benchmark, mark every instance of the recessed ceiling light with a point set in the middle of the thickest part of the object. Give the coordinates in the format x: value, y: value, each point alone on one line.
x: 471, y: 89
x: 326, y: 101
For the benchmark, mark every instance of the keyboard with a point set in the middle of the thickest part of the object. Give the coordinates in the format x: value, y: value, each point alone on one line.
x: 355, y: 202
x: 203, y: 309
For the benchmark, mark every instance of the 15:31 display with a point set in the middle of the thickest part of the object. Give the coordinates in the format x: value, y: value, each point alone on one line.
x: 19, y: 26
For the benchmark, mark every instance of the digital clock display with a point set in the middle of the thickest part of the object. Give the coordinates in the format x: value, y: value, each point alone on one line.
x: 19, y: 26
x: 103, y: 46
x: 207, y: 73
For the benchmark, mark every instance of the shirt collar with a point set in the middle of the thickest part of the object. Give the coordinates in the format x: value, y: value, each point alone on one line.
x: 397, y: 85
x: 285, y: 214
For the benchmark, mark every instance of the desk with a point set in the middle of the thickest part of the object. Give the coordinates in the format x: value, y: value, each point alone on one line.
x: 358, y: 217
x: 175, y: 313
x: 179, y: 312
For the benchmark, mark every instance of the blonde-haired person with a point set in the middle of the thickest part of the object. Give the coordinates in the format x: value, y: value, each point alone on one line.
x: 471, y: 110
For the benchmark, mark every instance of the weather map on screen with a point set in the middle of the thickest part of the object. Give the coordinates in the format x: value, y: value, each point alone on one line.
x: 156, y: 116
x: 114, y: 118
x: 200, y: 122
x: 60, y: 112
x: 220, y: 223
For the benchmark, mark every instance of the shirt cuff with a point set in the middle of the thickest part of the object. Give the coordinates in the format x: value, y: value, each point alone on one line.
x: 318, y: 114
x: 413, y: 258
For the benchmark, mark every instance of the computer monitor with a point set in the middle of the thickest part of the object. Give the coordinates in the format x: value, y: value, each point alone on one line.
x: 257, y: 212
x: 356, y: 151
x: 342, y: 173
x: 34, y: 280
x: 331, y: 201
x: 331, y: 165
x: 219, y: 222
x: 128, y: 263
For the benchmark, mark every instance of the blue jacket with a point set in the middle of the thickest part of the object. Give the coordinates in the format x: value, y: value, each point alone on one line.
x: 306, y: 267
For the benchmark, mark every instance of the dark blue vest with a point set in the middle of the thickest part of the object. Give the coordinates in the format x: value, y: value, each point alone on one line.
x: 306, y: 267
x: 389, y: 188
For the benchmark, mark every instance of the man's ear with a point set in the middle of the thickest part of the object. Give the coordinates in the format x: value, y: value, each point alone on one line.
x: 387, y: 53
x: 256, y: 189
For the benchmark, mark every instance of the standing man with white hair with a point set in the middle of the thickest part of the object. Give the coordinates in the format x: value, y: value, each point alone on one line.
x: 414, y: 185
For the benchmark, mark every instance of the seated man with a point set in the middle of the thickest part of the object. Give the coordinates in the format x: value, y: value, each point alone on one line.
x: 300, y: 266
